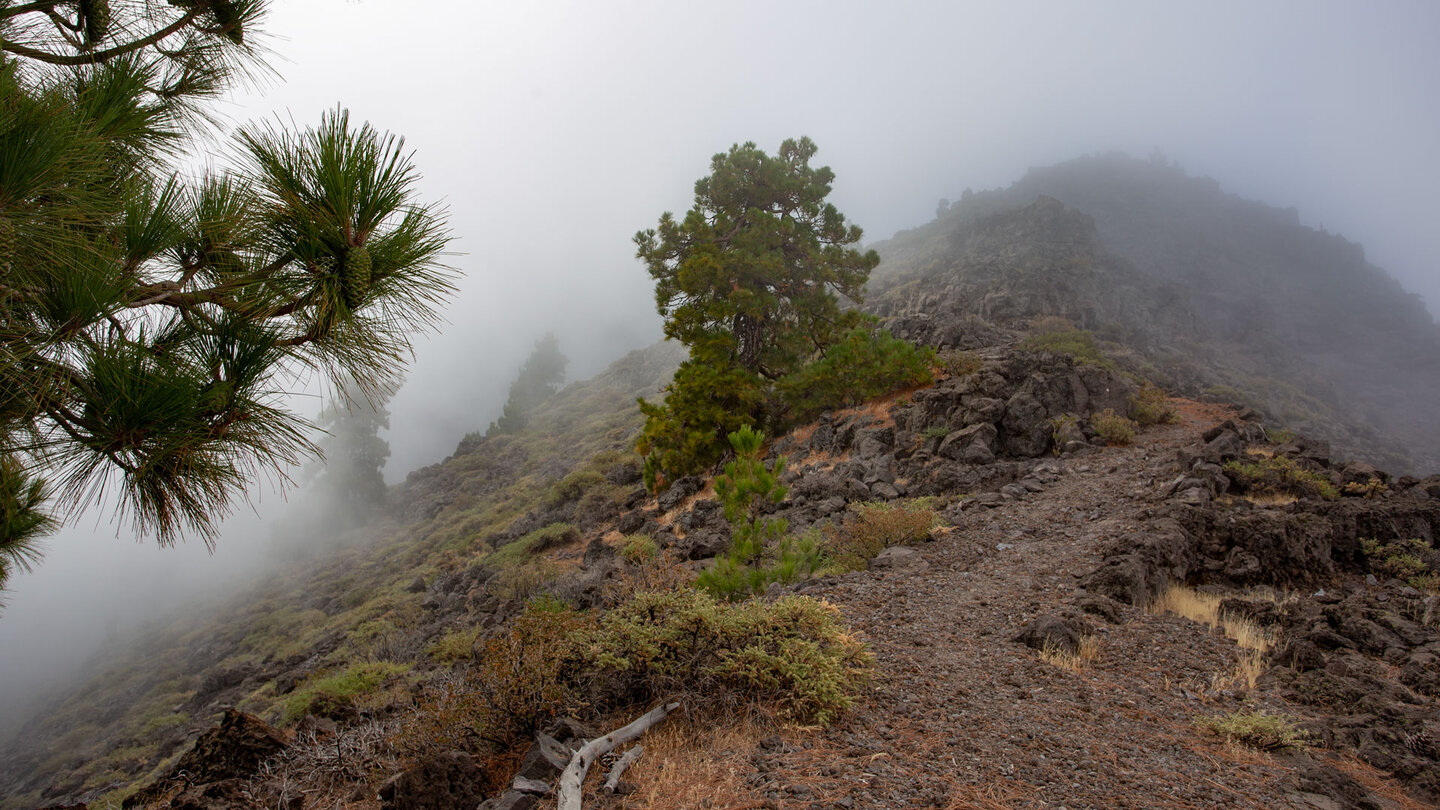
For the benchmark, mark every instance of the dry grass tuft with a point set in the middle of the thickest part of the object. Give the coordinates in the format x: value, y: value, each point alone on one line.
x: 1077, y: 661
x: 1270, y: 498
x: 1254, y: 641
x: 690, y: 765
x: 1376, y: 781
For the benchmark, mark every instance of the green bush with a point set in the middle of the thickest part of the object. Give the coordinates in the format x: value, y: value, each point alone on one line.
x: 334, y: 695
x: 524, y: 580
x: 864, y: 364
x: 793, y: 656
x: 1257, y: 729
x: 936, y: 432
x: 1411, y: 561
x: 1149, y: 406
x: 1279, y: 475
x: 547, y: 537
x: 1076, y: 344
x: 875, y: 526
x: 638, y: 549
x: 1112, y: 428
x: 570, y: 488
x: 455, y: 645
x: 957, y: 363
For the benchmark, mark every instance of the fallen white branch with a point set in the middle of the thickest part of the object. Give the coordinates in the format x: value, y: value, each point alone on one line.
x: 574, y: 775
x: 612, y: 782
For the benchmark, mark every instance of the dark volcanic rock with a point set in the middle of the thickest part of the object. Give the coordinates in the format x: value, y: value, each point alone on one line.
x: 231, y: 750
x: 1049, y: 633
x: 448, y: 780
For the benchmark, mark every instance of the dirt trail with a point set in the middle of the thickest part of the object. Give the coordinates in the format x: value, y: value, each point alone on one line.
x: 961, y: 715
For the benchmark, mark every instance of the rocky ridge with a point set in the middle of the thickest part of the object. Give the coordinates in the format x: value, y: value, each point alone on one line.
x: 1040, y: 553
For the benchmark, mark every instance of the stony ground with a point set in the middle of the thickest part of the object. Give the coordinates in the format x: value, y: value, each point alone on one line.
x: 960, y: 715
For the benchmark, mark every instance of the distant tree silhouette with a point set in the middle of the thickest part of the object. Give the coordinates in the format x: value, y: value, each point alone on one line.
x: 353, y: 474
x: 538, y: 379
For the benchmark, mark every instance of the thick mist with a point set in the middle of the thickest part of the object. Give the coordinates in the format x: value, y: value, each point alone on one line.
x: 553, y: 131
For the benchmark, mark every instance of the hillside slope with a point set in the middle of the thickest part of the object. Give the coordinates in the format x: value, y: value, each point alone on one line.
x: 1011, y: 574
x: 1216, y: 292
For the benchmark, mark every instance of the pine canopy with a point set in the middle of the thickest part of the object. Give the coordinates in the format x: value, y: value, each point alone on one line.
x: 152, y: 321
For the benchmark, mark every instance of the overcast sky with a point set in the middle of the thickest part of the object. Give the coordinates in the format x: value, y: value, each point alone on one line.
x: 554, y: 131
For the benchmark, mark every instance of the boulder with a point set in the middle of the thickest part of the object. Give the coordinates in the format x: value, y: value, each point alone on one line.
x: 451, y: 779
x: 874, y: 442
x: 232, y: 750
x: 974, y: 444
x: 897, y: 557
x: 1026, y: 426
x: 1052, y: 633
x: 683, y: 488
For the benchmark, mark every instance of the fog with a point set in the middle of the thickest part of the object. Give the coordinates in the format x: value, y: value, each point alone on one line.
x: 554, y: 131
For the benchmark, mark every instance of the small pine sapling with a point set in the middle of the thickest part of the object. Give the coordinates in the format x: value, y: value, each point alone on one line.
x: 745, y: 489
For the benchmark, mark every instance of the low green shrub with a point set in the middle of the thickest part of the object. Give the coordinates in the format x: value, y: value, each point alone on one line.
x: 638, y: 549
x: 792, y: 657
x: 455, y: 645
x: 871, y: 527
x: 864, y: 364
x: 937, y: 432
x: 524, y: 580
x: 1149, y: 406
x: 1279, y: 435
x: 570, y: 488
x: 1279, y: 475
x: 957, y: 363
x: 1077, y: 344
x: 551, y: 536
x: 334, y: 695
x: 1112, y: 428
x: 1257, y: 729
x: 1411, y: 561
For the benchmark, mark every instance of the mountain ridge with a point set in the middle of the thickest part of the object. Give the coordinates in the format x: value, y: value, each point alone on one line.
x: 1214, y: 291
x: 1006, y: 449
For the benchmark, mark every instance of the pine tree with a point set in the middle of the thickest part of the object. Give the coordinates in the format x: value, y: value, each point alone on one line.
x: 148, y: 323
x: 537, y: 381
x: 352, y: 479
x: 751, y: 281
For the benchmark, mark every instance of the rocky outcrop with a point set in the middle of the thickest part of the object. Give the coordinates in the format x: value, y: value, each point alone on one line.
x: 1188, y: 278
x: 1362, y: 649
x: 213, y: 773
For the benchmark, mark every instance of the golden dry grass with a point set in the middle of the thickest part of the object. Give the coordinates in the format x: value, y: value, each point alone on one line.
x: 1077, y: 661
x: 1253, y: 640
x: 692, y: 765
x: 1376, y: 781
x: 1271, y: 498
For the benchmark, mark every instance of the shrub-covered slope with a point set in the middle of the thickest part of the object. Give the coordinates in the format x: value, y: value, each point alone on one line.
x: 353, y: 617
x: 530, y: 574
